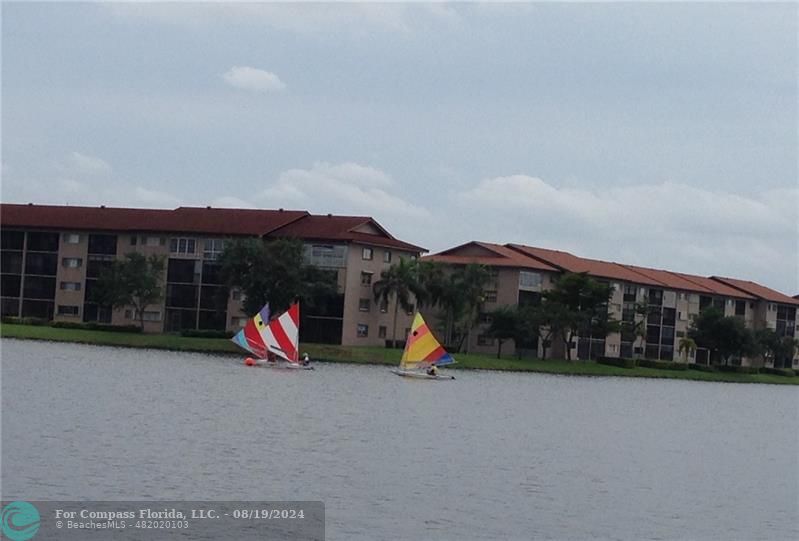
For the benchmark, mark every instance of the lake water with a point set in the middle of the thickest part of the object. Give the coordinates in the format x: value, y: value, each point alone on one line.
x: 488, y: 456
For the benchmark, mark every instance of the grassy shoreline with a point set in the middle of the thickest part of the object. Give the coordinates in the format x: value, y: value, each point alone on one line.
x: 373, y: 355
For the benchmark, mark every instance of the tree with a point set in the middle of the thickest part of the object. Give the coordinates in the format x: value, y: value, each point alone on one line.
x: 635, y: 330
x: 580, y: 305
x: 458, y: 293
x: 774, y: 348
x: 505, y: 323
x: 273, y: 271
x: 397, y: 283
x: 722, y: 336
x: 472, y: 281
x: 134, y: 280
x: 686, y: 346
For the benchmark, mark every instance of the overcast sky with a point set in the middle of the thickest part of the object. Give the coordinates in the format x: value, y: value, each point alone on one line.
x: 662, y: 135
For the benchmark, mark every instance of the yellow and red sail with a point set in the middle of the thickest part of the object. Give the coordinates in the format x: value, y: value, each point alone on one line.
x: 422, y: 348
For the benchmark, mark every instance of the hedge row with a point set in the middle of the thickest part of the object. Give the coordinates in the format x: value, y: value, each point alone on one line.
x: 206, y: 333
x: 778, y: 371
x: 92, y: 326
x: 663, y: 365
x: 617, y: 361
x: 41, y: 322
x: 25, y: 320
x: 739, y: 369
x: 702, y: 367
x: 647, y: 363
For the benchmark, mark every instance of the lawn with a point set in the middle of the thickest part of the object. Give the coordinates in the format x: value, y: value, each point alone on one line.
x: 373, y: 355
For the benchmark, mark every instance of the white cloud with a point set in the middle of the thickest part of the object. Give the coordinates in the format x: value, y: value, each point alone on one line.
x: 345, y: 188
x: 255, y: 79
x: 302, y: 18
x: 231, y: 202
x: 668, y: 225
x: 155, y: 198
x: 84, y: 163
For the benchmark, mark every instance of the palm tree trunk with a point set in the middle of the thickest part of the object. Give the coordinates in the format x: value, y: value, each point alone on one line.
x: 394, y: 329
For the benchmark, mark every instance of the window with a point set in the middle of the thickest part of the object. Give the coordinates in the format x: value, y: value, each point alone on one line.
x: 366, y: 278
x: 71, y: 238
x: 529, y: 279
x: 489, y: 296
x: 387, y: 256
x: 71, y: 262
x: 381, y: 331
x: 67, y: 310
x: 325, y: 255
x: 182, y: 246
x: 366, y: 254
x: 153, y: 241
x: 213, y: 248
x: 363, y: 305
x: 70, y: 286
x: 363, y: 330
x: 384, y: 306
x: 43, y: 242
x: 740, y: 308
x: 152, y: 315
x: 103, y: 244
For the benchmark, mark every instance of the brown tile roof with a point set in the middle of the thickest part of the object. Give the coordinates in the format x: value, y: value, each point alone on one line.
x: 757, y: 290
x: 493, y: 255
x: 201, y: 220
x: 594, y: 267
x: 180, y: 220
x: 632, y: 273
x: 688, y: 282
x: 342, y: 228
x: 714, y: 286
x: 670, y: 280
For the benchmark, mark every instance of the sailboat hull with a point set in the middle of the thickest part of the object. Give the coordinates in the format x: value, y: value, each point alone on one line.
x: 419, y: 375
x: 284, y: 366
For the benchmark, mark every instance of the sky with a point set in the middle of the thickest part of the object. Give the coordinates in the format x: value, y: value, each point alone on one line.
x: 656, y: 134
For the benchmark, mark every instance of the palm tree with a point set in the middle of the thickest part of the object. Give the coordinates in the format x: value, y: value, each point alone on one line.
x: 687, y: 345
x: 398, y: 283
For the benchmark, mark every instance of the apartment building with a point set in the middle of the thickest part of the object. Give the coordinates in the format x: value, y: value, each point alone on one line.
x: 672, y: 299
x: 53, y: 255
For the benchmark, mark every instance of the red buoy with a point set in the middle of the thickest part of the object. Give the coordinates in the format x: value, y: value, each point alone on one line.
x: 249, y: 361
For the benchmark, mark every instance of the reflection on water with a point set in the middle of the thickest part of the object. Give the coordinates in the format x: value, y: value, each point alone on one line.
x: 491, y: 455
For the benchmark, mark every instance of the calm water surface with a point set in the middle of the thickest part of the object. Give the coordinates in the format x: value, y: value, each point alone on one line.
x: 489, y: 456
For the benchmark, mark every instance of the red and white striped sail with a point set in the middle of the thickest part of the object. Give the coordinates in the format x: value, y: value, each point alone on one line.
x: 282, y: 334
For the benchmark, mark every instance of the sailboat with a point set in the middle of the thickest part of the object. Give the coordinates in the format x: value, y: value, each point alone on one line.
x: 274, y: 343
x: 422, y: 351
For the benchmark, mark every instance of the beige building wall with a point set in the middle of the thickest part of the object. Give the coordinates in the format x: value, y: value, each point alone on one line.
x: 74, y: 275
x: 369, y: 321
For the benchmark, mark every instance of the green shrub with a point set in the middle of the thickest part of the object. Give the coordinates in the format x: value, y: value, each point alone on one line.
x: 739, y: 369
x: 93, y: 326
x: 662, y: 365
x: 702, y: 367
x: 617, y: 361
x: 778, y: 371
x: 206, y: 333
x: 25, y: 320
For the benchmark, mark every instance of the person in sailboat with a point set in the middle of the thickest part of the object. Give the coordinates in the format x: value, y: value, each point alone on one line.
x: 305, y: 359
x: 271, y: 358
x: 432, y: 371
